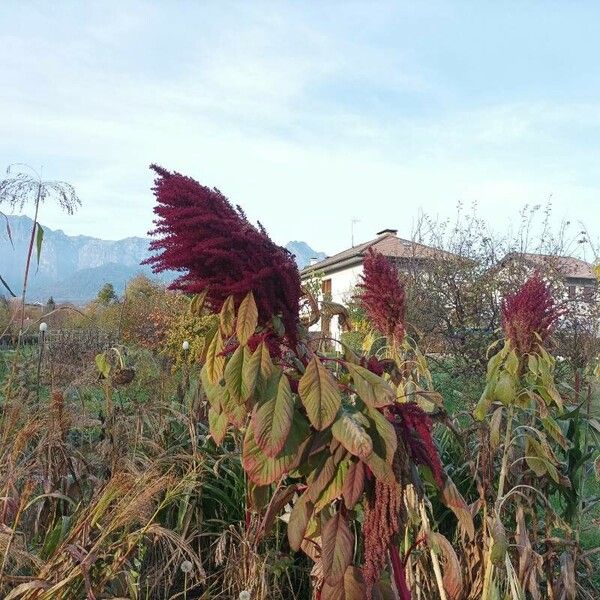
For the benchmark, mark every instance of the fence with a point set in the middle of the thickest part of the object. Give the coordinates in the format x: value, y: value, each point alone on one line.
x: 61, y: 338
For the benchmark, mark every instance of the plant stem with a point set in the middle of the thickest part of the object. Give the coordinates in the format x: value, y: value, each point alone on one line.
x: 29, y: 253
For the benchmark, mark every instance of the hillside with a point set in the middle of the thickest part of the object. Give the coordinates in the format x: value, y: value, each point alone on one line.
x: 73, y: 268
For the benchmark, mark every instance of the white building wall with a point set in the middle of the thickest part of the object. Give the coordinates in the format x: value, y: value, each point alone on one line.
x: 343, y: 283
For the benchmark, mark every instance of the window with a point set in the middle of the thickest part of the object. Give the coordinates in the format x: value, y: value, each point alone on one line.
x: 326, y: 289
x: 572, y: 290
x: 588, y: 293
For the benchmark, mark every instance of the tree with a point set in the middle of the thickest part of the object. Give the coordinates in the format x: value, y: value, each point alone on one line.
x: 107, y: 294
x: 50, y: 305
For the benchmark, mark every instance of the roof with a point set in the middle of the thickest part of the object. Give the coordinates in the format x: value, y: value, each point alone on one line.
x: 565, y: 266
x: 387, y: 243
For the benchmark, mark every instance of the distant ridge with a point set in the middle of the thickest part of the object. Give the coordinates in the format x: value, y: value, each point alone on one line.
x: 74, y: 268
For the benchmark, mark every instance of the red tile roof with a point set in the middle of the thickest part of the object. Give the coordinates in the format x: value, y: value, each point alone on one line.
x: 387, y: 244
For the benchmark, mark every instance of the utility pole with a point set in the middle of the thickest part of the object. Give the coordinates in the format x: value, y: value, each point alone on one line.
x: 353, y: 222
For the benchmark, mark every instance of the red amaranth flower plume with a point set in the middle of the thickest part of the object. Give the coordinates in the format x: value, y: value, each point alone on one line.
x: 530, y: 312
x: 416, y: 427
x: 215, y: 247
x: 383, y: 295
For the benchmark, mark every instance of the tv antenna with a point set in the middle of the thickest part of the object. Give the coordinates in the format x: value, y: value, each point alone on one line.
x: 353, y: 222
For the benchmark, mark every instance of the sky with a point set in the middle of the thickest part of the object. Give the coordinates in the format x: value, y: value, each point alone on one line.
x: 308, y: 114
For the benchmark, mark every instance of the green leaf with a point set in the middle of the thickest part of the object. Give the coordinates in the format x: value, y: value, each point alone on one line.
x: 273, y: 418
x: 555, y: 432
x: 505, y: 390
x: 495, y: 423
x: 320, y: 395
x: 299, y: 518
x: 247, y: 319
x: 338, y: 548
x: 352, y: 435
x: 217, y: 423
x: 384, y: 437
x: 213, y: 391
x: 39, y: 238
x: 483, y: 406
x: 335, y: 487
x: 372, y: 389
x: 227, y: 317
x: 263, y: 469
x: 103, y: 365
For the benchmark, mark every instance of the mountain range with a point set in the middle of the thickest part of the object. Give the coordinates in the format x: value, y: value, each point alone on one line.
x: 74, y: 268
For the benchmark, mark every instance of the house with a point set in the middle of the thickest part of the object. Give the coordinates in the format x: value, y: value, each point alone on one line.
x: 576, y: 277
x: 338, y: 275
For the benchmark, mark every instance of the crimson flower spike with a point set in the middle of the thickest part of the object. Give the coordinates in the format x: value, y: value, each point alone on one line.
x: 382, y: 295
x: 529, y: 315
x: 215, y: 248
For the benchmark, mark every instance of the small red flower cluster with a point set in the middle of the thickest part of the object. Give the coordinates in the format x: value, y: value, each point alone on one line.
x: 216, y: 248
x: 416, y: 429
x: 530, y: 312
x: 383, y: 296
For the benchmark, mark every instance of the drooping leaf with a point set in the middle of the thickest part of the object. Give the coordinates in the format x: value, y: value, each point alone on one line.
x: 354, y: 484
x: 263, y: 469
x: 247, y: 319
x: 338, y: 548
x: 384, y: 438
x: 272, y: 419
x: 452, y: 579
x: 39, y: 238
x: 8, y: 230
x: 217, y: 423
x: 352, y: 435
x: 453, y: 499
x: 321, y: 476
x: 281, y: 497
x: 215, y: 362
x: 213, y: 391
x: 372, y: 389
x: 103, y: 364
x: 299, y: 518
x: 499, y: 542
x: 319, y: 393
x: 495, y: 423
x: 235, y: 412
x: 227, y: 317
x: 335, y: 487
x: 553, y: 429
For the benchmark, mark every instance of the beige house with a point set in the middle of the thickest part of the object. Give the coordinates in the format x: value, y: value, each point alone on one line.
x: 339, y: 274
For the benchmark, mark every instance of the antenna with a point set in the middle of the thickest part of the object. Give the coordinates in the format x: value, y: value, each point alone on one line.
x: 353, y: 222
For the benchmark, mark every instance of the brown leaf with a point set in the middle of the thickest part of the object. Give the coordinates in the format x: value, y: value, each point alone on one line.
x: 354, y: 484
x: 453, y: 499
x: 338, y: 548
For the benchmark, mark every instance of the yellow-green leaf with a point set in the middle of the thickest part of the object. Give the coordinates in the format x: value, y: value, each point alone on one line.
x: 352, y: 435
x: 372, y: 389
x: 272, y: 419
x: 247, y: 319
x: 215, y: 362
x: 227, y: 317
x: 320, y: 395
x: 263, y: 469
x: 217, y: 423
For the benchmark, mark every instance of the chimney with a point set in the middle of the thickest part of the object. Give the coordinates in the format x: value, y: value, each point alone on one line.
x: 313, y: 261
x: 390, y: 231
